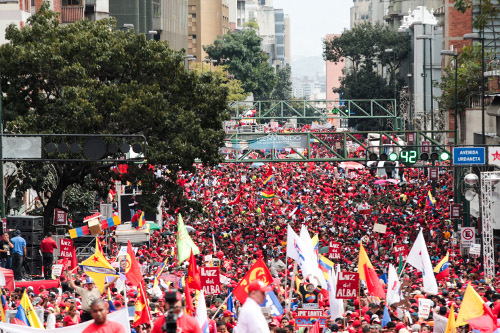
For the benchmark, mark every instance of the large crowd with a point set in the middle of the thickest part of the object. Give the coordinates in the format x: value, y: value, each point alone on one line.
x: 327, y: 200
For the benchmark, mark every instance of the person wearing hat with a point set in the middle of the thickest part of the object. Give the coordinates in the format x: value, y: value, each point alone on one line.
x: 101, y: 324
x: 250, y: 318
x: 19, y: 252
x: 89, y: 294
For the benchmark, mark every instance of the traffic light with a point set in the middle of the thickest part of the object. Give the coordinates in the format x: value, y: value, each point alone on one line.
x: 410, y: 156
x: 335, y: 111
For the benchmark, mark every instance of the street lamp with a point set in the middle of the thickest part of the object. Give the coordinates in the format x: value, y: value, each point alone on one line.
x: 127, y: 26
x: 410, y: 77
x: 424, y: 37
x: 477, y: 36
x: 455, y: 55
x: 188, y: 58
x: 152, y: 33
x: 211, y: 61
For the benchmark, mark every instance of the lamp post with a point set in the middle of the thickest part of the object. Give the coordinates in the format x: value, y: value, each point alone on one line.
x: 152, y: 33
x: 188, y: 58
x: 425, y: 37
x: 477, y: 36
x: 410, y: 77
x: 424, y: 75
x: 127, y: 26
x: 455, y: 55
x: 211, y: 61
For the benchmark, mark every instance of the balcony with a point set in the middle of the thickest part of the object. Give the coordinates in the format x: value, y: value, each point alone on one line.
x: 70, y: 14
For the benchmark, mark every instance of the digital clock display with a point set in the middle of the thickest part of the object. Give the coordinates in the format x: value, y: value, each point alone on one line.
x: 408, y: 156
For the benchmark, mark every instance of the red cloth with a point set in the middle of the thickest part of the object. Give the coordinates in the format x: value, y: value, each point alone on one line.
x: 9, y: 278
x: 187, y: 323
x: 48, y: 245
x: 373, y: 283
x: 487, y: 323
x: 193, y: 279
x: 133, y: 270
x: 68, y: 322
x: 108, y: 327
x: 36, y: 284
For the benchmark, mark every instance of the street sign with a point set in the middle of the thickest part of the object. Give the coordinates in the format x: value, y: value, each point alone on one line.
x: 468, y: 235
x: 469, y: 156
x: 455, y: 211
x: 433, y: 174
x: 494, y: 155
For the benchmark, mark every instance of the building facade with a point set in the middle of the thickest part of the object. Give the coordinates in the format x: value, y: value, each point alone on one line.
x: 206, y: 21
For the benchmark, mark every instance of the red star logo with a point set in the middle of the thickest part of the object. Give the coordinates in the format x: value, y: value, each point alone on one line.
x: 496, y: 156
x: 95, y: 259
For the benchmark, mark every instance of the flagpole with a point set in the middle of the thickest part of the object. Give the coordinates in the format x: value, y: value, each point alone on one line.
x: 215, y: 313
x: 292, y: 281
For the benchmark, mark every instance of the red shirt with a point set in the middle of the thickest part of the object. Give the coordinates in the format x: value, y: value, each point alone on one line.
x: 185, y: 324
x: 48, y: 245
x: 108, y: 327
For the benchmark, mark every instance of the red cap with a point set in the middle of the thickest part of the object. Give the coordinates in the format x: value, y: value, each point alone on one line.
x: 357, y: 322
x: 258, y: 285
x: 399, y: 326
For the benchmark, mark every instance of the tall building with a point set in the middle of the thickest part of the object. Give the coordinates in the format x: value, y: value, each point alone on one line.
x: 169, y: 18
x: 16, y: 12
x: 206, y: 21
x: 360, y: 11
x: 279, y: 24
x: 288, y: 41
x: 333, y: 75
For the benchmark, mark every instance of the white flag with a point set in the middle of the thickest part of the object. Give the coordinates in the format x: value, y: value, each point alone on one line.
x: 201, y: 312
x: 393, y: 286
x: 419, y: 258
x: 313, y: 258
x: 298, y: 251
x: 336, y: 305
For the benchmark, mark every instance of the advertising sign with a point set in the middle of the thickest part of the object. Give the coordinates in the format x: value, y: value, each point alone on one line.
x: 210, y: 280
x: 347, y: 285
x: 307, y: 317
x: 66, y: 248
x: 334, y: 250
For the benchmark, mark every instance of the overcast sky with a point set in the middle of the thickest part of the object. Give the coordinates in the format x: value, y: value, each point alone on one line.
x: 311, y: 20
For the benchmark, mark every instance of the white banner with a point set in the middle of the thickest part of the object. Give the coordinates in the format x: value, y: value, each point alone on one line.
x: 327, y: 125
x: 120, y: 316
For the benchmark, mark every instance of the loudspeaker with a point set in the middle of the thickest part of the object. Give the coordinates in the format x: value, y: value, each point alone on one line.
x: 33, y: 238
x: 34, y: 266
x: 25, y: 223
x: 33, y: 252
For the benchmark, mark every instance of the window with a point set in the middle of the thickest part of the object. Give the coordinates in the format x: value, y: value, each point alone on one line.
x: 72, y: 2
x: 156, y: 8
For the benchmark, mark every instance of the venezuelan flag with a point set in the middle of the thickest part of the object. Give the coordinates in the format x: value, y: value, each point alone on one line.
x: 267, y: 195
x: 26, y: 313
x: 325, y: 265
x: 111, y: 306
x: 430, y: 199
x: 142, y: 220
x: 268, y: 180
x: 158, y: 273
x: 442, y: 269
x: 2, y: 307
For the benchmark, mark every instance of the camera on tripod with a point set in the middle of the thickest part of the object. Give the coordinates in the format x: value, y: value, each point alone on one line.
x: 170, y: 325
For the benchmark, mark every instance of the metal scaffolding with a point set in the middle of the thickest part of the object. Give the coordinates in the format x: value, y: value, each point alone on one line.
x: 488, y: 182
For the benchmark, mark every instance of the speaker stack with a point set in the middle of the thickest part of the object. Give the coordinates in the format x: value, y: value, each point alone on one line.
x: 31, y: 228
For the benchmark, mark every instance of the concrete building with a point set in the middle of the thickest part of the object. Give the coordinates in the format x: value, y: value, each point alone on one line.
x: 288, y: 40
x: 206, y: 21
x: 167, y: 17
x: 333, y: 75
x: 233, y: 13
x: 393, y: 11
x: 279, y: 21
x: 360, y: 11
x: 16, y: 12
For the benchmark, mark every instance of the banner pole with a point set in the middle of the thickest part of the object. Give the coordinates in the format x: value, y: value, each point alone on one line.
x: 292, y: 281
x: 215, y: 313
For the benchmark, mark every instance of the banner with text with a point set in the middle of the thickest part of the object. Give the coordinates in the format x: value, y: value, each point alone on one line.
x: 210, y: 280
x: 334, y: 250
x: 403, y: 249
x: 66, y: 248
x: 307, y: 317
x: 347, y: 285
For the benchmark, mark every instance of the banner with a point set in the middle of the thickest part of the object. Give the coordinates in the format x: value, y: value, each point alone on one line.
x: 334, y: 250
x: 210, y: 280
x: 66, y: 248
x: 403, y: 249
x: 380, y: 228
x: 347, y: 285
x: 120, y: 316
x: 269, y: 142
x: 424, y: 308
x: 307, y: 317
x: 327, y: 125
x: 258, y: 271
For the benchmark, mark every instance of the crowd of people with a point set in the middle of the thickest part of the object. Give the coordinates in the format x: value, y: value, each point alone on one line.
x: 244, y: 227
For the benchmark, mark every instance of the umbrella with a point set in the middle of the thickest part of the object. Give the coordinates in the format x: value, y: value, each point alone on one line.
x: 380, y: 182
x: 256, y: 165
x: 394, y: 181
x: 351, y: 165
x: 190, y: 229
x: 324, y: 249
x: 153, y: 226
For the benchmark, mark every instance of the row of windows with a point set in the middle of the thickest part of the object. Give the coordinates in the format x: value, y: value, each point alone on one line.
x: 72, y: 2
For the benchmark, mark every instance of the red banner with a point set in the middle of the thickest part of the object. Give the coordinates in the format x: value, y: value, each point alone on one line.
x: 347, y: 285
x: 259, y: 271
x: 210, y: 280
x: 65, y: 248
x: 307, y: 317
x: 60, y: 217
x: 403, y: 249
x: 334, y: 250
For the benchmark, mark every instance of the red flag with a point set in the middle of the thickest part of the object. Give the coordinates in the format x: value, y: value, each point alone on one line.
x: 269, y: 172
x: 189, y: 300
x: 237, y: 200
x: 487, y: 323
x: 132, y: 270
x: 373, y: 283
x: 74, y: 261
x: 316, y: 328
x: 193, y: 278
x: 142, y: 312
x: 259, y: 271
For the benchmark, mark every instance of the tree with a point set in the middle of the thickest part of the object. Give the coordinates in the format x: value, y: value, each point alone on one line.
x: 234, y: 86
x: 240, y: 51
x: 89, y: 77
x: 488, y: 11
x: 468, y: 84
x: 283, y: 90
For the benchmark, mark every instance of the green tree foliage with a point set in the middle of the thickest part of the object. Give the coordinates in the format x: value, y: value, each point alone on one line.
x: 91, y: 78
x: 221, y: 73
x: 468, y: 83
x: 364, y: 46
x: 283, y: 90
x: 240, y: 51
x: 488, y: 11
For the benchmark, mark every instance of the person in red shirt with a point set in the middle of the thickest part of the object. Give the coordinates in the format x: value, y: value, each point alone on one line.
x: 101, y: 324
x: 47, y: 246
x: 185, y: 323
